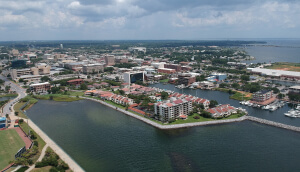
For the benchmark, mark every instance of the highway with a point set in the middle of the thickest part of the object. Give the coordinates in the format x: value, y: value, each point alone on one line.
x: 8, y: 108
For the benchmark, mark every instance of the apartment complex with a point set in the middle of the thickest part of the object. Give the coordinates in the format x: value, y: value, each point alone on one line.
x: 40, y: 88
x: 173, y: 109
x: 262, y: 95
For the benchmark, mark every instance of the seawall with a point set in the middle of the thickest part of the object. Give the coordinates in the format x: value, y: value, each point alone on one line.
x: 194, y: 124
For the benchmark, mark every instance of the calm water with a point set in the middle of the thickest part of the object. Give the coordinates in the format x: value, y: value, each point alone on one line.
x: 102, y: 139
x: 223, y: 98
x: 6, y: 98
x: 288, y: 51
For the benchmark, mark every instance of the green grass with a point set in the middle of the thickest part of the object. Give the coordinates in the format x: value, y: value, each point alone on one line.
x: 240, y: 96
x: 191, y: 119
x: 17, y: 109
x: 40, y: 141
x: 115, y: 104
x: 285, y: 66
x: 75, y: 93
x: 9, y: 95
x: 58, y: 97
x: 22, y: 169
x: 43, y: 169
x: 10, y: 143
x: 164, y: 80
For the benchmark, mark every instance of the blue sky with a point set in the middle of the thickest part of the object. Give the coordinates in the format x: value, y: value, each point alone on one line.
x: 148, y: 19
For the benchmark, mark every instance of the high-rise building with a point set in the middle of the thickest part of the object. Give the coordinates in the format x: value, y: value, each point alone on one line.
x: 61, y: 46
x: 133, y: 77
x: 173, y: 109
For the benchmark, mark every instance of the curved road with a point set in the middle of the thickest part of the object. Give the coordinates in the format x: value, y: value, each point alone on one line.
x: 14, y: 87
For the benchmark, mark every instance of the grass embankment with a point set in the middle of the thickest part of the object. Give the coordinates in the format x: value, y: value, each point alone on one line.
x: 191, y: 119
x: 10, y: 143
x: 236, y: 95
x: 9, y: 95
x: 41, y: 142
x: 22, y: 102
x: 164, y: 80
x: 285, y: 66
x: 57, y: 97
x: 241, y: 96
x: 51, y: 162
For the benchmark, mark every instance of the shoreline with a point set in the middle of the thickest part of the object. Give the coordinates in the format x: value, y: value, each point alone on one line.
x: 195, y: 124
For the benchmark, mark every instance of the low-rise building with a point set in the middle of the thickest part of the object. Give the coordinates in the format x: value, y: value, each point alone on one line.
x: 92, y: 68
x: 222, y: 111
x: 262, y: 95
x: 186, y: 79
x: 294, y: 89
x: 75, y: 82
x: 166, y: 70
x: 40, y: 88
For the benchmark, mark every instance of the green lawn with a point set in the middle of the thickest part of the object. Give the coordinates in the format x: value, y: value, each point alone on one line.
x: 240, y: 96
x: 10, y: 143
x: 58, y: 97
x: 285, y: 66
x: 17, y: 109
x: 9, y: 95
x: 75, y: 93
x: 164, y: 80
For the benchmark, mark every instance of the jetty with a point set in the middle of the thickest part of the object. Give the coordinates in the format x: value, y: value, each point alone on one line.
x: 272, y: 123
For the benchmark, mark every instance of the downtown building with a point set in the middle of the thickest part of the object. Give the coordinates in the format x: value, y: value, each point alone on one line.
x: 173, y: 109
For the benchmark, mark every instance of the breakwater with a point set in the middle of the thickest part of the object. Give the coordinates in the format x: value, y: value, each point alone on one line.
x: 272, y: 123
x: 186, y: 125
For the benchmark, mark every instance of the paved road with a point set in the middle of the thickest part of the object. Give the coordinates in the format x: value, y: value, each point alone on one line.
x: 8, y: 108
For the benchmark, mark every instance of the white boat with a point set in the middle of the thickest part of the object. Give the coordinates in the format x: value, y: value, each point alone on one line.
x: 273, y: 108
x: 267, y: 107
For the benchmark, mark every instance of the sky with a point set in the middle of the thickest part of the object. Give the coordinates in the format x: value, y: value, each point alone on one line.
x: 148, y: 19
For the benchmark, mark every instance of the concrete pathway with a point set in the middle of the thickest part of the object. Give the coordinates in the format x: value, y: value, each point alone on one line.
x: 58, y: 150
x: 40, y: 158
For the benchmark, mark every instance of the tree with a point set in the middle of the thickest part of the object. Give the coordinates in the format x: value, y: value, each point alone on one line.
x: 223, y: 85
x: 1, y: 82
x: 245, y: 78
x: 83, y: 86
x: 45, y: 79
x: 213, y: 103
x: 200, y: 78
x: 16, y: 113
x: 7, y: 88
x: 280, y: 96
x: 235, y: 85
x: 164, y: 95
x: 88, y: 76
x: 54, y: 90
x: 121, y: 92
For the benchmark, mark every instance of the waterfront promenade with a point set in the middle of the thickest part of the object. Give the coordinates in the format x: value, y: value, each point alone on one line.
x: 58, y: 150
x: 186, y: 125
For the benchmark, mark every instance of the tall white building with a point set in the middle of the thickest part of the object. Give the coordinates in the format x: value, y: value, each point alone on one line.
x: 173, y: 109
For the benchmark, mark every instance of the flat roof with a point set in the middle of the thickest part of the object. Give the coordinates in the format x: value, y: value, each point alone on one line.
x: 273, y: 72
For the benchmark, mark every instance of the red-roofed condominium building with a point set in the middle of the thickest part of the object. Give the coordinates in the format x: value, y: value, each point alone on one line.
x: 172, y: 109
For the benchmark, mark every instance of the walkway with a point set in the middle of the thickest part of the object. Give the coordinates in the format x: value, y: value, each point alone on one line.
x: 58, y: 150
x: 40, y: 158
